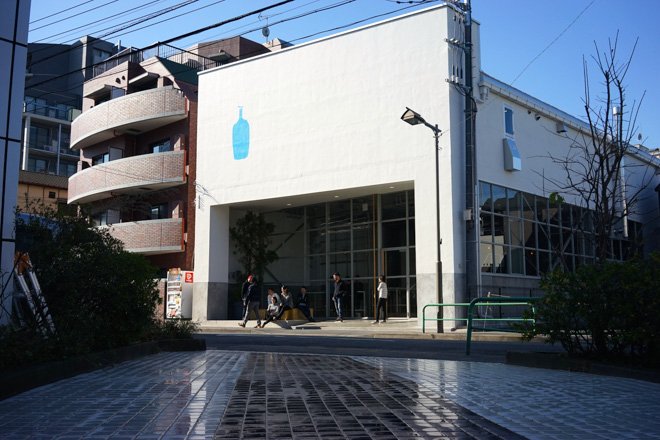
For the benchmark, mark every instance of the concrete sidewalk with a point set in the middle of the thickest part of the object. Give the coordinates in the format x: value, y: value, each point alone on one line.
x: 399, y: 328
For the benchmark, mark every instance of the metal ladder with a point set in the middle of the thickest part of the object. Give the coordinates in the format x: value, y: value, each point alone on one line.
x: 32, y: 290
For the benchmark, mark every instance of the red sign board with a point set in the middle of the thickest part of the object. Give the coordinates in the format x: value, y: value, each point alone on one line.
x: 189, y: 277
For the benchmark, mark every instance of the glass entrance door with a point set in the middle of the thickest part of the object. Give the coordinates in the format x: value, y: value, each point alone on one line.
x: 395, y: 268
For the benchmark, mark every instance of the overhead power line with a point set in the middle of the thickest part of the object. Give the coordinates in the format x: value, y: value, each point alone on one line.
x: 134, y: 22
x: 62, y: 11
x: 77, y: 14
x: 113, y: 16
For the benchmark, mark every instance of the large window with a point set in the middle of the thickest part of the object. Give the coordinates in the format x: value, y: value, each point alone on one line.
x: 525, y: 234
x: 346, y: 236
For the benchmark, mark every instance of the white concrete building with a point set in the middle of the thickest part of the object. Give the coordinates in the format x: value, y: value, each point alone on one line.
x: 318, y: 146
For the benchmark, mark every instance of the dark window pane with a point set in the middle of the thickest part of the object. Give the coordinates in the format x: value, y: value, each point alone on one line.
x: 339, y: 239
x: 515, y: 229
x: 517, y: 256
x: 394, y: 234
x: 528, y: 206
x: 363, y: 236
x: 485, y: 200
x: 543, y: 236
x: 393, y: 205
x: 411, y: 232
x: 515, y: 202
x: 499, y: 200
x: 555, y: 238
x: 363, y: 264
x: 340, y: 263
x: 544, y: 262
x: 486, y: 227
x: 499, y: 229
x: 317, y: 269
x: 315, y: 216
x: 412, y: 262
x: 529, y: 234
x: 567, y: 240
x: 553, y: 213
x: 531, y: 265
x: 363, y: 210
x: 501, y: 257
x: 395, y: 263
x: 541, y: 209
x: 316, y: 241
x: 411, y: 203
x: 566, y: 215
x: 340, y: 212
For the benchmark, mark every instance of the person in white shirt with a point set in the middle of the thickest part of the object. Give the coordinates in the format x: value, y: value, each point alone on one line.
x: 382, y: 299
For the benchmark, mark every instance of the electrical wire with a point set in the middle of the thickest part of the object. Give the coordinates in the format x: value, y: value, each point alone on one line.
x: 77, y: 14
x: 62, y: 11
x: 134, y: 22
x: 88, y: 25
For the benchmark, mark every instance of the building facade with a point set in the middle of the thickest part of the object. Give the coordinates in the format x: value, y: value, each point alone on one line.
x: 136, y: 138
x: 320, y: 149
x: 55, y: 74
x: 13, y: 54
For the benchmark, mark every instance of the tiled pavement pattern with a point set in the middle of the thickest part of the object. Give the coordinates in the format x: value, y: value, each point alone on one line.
x: 219, y: 394
x: 332, y: 397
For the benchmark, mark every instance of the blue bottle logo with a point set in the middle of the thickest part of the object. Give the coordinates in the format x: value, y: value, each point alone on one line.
x: 241, y: 137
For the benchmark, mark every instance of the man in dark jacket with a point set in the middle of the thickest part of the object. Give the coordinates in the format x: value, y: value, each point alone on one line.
x: 251, y: 300
x: 341, y: 290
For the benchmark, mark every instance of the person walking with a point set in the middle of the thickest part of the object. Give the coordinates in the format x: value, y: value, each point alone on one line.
x: 303, y: 304
x: 382, y: 299
x: 340, y: 291
x: 252, y: 301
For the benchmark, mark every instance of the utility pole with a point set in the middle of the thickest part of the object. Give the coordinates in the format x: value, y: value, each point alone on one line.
x: 471, y: 214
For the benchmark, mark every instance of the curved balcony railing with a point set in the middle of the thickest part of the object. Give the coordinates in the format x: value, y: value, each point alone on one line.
x: 131, y: 114
x: 130, y: 175
x: 150, y: 237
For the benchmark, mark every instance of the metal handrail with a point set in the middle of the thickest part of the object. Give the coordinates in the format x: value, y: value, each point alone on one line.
x: 500, y: 301
x: 424, y: 318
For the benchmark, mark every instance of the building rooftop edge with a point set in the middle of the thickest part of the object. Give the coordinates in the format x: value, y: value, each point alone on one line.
x: 333, y: 36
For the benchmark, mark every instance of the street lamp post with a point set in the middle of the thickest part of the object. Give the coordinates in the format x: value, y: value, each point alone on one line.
x: 414, y: 118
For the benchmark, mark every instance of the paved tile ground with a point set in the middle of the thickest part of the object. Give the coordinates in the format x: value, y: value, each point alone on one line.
x: 222, y: 394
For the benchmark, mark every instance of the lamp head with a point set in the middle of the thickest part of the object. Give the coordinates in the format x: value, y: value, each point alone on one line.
x: 411, y: 117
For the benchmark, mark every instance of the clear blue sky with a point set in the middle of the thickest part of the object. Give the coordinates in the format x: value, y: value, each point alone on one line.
x: 513, y: 34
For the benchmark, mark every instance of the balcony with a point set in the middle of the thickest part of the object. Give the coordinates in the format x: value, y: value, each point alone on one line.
x: 130, y: 175
x: 151, y: 237
x: 131, y: 114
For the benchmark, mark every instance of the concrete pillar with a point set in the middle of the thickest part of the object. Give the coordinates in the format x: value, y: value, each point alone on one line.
x: 210, y: 289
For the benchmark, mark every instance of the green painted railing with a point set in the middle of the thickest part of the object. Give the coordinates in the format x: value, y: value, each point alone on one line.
x: 498, y: 301
x: 424, y: 318
x: 483, y: 301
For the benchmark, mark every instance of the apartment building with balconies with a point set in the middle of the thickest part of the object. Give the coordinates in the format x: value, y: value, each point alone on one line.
x: 54, y: 79
x: 136, y: 137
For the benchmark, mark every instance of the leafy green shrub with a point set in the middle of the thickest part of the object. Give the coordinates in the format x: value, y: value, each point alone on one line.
x: 175, y: 329
x: 609, y: 310
x: 99, y: 295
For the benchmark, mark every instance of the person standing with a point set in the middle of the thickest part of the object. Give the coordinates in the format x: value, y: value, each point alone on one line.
x: 340, y: 291
x: 382, y: 299
x: 303, y: 304
x: 252, y: 301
